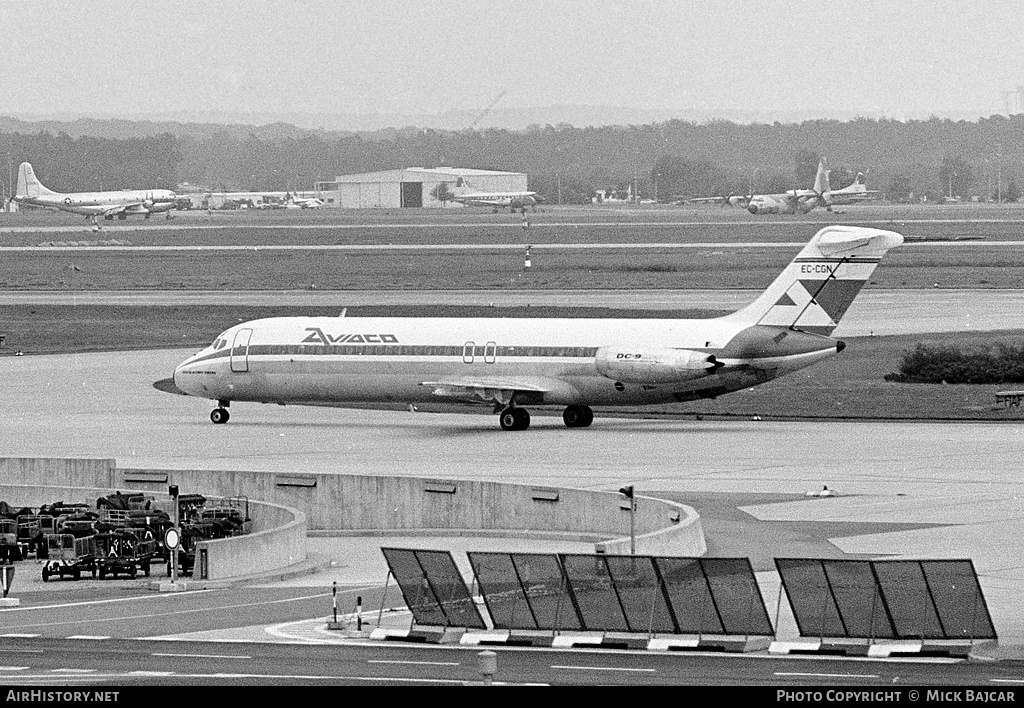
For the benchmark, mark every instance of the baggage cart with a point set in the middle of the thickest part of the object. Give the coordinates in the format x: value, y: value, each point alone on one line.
x: 68, y: 555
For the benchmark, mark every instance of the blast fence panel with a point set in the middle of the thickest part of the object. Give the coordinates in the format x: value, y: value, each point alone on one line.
x: 593, y: 593
x: 433, y: 588
x: 938, y: 599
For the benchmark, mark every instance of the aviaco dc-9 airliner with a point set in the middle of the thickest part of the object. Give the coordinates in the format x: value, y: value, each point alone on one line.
x: 511, y: 364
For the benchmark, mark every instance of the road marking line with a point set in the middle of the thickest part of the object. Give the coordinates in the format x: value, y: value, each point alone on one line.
x: 605, y: 668
x: 14, y: 635
x: 175, y: 612
x: 87, y: 636
x: 151, y: 673
x: 99, y: 602
x: 203, y: 656
x: 73, y: 671
x: 798, y: 673
x: 414, y: 663
x: 1007, y: 680
x: 13, y: 668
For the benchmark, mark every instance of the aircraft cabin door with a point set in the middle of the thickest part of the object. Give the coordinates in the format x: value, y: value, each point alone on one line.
x: 240, y: 351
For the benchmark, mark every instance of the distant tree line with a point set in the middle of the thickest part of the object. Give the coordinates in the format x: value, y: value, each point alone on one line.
x: 907, y: 160
x: 1000, y: 363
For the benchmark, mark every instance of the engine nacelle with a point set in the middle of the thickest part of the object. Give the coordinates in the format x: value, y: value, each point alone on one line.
x: 148, y: 203
x: 654, y: 366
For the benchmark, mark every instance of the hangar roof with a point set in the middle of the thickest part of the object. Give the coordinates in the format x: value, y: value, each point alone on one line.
x: 408, y: 174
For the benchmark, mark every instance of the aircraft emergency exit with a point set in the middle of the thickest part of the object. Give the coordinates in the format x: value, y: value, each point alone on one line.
x: 511, y: 364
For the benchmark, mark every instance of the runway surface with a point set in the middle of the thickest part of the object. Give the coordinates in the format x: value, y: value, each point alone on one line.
x: 879, y: 312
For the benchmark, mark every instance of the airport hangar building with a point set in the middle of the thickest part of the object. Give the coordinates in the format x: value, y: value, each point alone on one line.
x: 413, y: 187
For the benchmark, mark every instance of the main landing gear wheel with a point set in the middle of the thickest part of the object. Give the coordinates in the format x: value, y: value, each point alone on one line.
x: 515, y: 419
x: 578, y: 416
x: 220, y: 415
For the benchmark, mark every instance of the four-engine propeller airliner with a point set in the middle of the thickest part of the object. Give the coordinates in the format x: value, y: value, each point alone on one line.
x: 93, y: 204
x: 511, y: 363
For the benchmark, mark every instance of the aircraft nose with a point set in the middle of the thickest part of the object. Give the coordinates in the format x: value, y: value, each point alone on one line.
x: 169, y: 385
x: 840, y: 346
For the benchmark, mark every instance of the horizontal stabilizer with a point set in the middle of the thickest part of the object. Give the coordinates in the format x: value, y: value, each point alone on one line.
x: 856, y: 241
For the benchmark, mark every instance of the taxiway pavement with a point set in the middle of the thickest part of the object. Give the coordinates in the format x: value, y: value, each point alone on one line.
x: 963, y: 478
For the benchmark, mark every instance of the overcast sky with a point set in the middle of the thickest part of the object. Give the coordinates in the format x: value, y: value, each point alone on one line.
x: 906, y: 58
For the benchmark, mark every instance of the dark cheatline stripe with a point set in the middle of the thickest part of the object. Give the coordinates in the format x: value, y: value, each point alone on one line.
x: 837, y: 260
x: 480, y: 351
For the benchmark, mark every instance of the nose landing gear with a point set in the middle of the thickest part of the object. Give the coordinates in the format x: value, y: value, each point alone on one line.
x: 220, y: 415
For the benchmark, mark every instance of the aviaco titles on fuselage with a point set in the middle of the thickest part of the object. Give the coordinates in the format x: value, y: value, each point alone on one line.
x: 510, y: 364
x: 143, y: 202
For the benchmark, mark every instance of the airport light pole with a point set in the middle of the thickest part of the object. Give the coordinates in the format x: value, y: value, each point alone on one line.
x: 627, y: 492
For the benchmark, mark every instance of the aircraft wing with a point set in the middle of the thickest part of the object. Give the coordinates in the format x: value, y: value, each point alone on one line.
x: 134, y: 208
x: 489, y: 390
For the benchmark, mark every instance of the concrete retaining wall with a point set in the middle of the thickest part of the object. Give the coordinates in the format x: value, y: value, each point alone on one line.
x: 278, y: 540
x: 353, y: 503
x: 366, y: 503
x: 58, y: 472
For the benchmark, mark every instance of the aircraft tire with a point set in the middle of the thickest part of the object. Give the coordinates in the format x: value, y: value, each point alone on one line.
x: 507, y: 419
x: 219, y: 416
x: 514, y: 419
x: 577, y: 416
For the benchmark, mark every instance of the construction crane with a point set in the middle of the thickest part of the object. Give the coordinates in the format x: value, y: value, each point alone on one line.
x: 487, y: 110
x: 1006, y: 100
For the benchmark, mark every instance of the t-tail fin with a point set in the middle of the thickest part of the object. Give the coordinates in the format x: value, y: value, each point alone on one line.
x: 815, y: 290
x: 821, y: 180
x: 28, y: 185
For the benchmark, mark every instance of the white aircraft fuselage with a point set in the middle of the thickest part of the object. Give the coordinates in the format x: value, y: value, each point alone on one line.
x: 498, y: 200
x: 136, y: 201
x: 511, y: 363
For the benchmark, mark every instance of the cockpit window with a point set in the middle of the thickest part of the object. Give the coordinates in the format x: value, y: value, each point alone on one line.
x: 218, y: 343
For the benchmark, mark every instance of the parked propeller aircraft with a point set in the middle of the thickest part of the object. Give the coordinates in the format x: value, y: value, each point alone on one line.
x: 856, y: 192
x: 510, y: 363
x: 93, y: 204
x: 804, y: 200
x: 293, y: 201
x: 496, y: 200
x: 795, y: 201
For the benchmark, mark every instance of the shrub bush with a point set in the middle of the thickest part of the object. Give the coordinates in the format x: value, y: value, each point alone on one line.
x: 948, y: 363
